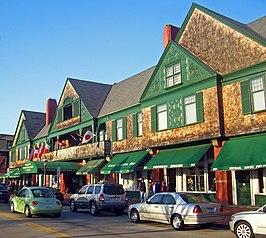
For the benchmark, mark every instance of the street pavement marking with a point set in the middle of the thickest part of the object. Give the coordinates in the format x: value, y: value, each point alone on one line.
x: 40, y: 227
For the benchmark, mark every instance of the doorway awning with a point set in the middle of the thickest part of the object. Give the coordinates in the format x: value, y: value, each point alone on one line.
x: 35, y: 167
x: 90, y: 166
x: 13, y: 173
x: 124, y: 163
x: 178, y: 157
x: 242, y: 153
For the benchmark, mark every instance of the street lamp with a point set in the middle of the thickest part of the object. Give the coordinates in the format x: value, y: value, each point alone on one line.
x: 44, y: 171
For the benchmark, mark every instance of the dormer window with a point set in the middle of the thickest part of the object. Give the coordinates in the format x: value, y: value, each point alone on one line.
x: 173, y: 74
x: 67, y: 112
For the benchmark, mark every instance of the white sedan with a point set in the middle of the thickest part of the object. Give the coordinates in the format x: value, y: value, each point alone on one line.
x: 249, y: 223
x: 178, y: 209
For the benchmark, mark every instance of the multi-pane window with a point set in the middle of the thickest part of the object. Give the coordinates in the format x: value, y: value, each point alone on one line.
x: 173, y: 74
x: 190, y: 109
x: 119, y: 129
x: 258, y: 95
x: 162, y: 117
x: 139, y: 124
x: 67, y: 112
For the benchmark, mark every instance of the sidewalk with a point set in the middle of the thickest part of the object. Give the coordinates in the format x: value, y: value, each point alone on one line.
x: 229, y: 210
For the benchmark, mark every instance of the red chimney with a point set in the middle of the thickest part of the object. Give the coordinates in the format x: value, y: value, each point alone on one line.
x: 51, y: 106
x: 170, y: 33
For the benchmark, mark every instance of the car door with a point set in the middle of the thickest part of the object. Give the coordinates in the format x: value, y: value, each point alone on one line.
x: 260, y: 218
x: 153, y: 208
x: 81, y: 200
x: 167, y: 208
x: 89, y: 194
x: 20, y: 200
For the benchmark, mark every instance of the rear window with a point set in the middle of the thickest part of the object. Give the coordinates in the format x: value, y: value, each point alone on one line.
x: 194, y: 198
x: 113, y: 189
x: 42, y: 193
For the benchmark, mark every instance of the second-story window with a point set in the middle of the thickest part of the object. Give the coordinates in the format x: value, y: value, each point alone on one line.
x: 258, y: 94
x: 173, y: 74
x: 67, y: 112
x: 190, y: 109
x: 119, y: 129
x: 139, y: 123
x: 162, y: 117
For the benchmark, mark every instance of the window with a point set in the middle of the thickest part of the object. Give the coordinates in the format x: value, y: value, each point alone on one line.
x: 173, y: 74
x: 190, y: 109
x: 162, y: 117
x: 139, y: 123
x: 258, y: 94
x: 70, y: 109
x: 119, y: 129
x: 67, y: 112
x: 90, y: 189
x: 253, y: 95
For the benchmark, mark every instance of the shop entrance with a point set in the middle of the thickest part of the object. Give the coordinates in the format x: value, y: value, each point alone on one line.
x: 243, y: 187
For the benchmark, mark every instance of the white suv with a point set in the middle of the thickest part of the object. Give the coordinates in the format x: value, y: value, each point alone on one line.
x: 100, y: 197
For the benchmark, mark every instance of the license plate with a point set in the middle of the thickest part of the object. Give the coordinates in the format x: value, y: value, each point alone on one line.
x: 211, y: 210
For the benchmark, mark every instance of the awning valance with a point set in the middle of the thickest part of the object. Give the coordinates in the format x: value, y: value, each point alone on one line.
x: 35, y: 167
x: 242, y: 153
x: 124, y: 163
x: 90, y: 166
x: 177, y: 158
x: 13, y: 173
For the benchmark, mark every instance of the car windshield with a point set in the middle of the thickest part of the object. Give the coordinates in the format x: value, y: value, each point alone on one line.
x: 42, y: 193
x: 194, y: 198
x: 113, y: 189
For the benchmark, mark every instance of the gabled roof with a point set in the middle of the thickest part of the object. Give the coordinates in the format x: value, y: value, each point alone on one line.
x: 126, y: 93
x: 92, y: 94
x: 259, y: 26
x: 34, y: 122
x: 43, y: 132
x: 243, y: 28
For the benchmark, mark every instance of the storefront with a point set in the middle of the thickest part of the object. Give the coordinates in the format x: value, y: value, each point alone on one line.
x: 126, y: 169
x: 245, y: 157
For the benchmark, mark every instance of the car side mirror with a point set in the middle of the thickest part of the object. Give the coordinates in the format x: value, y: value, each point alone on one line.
x: 264, y: 209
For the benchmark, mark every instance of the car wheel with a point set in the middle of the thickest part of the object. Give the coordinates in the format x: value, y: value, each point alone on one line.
x: 27, y: 212
x: 243, y: 230
x: 94, y: 209
x: 177, y: 222
x: 72, y: 206
x: 134, y: 216
x: 12, y: 207
x: 57, y: 215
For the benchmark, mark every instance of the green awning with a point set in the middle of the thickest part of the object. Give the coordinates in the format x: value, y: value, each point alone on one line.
x: 242, y: 153
x: 124, y: 163
x: 36, y: 167
x: 13, y: 173
x: 177, y: 158
x: 90, y: 166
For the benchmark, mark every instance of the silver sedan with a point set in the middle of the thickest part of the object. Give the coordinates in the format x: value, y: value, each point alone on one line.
x: 177, y: 209
x: 249, y: 223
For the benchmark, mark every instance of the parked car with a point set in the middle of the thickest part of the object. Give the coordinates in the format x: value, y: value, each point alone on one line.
x: 177, y: 209
x: 248, y: 224
x: 4, y: 193
x: 35, y: 201
x: 100, y: 197
x: 58, y: 194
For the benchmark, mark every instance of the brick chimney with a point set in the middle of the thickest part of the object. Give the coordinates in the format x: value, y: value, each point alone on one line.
x: 170, y: 33
x: 51, y: 106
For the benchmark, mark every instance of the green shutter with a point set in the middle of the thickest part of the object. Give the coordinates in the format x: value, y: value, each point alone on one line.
x: 114, y: 137
x: 134, y: 123
x: 153, y: 119
x: 245, y: 94
x: 124, y: 121
x: 59, y: 114
x: 76, y: 108
x: 199, y: 106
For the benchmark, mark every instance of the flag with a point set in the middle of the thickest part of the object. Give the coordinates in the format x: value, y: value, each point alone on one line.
x: 60, y: 143
x: 87, y: 137
x: 47, y: 147
x: 31, y: 153
x: 36, y: 151
x: 76, y: 137
x: 40, y: 151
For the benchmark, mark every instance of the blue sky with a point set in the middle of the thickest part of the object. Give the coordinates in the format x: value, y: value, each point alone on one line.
x: 42, y: 43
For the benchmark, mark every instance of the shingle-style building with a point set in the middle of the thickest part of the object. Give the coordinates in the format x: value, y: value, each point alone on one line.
x: 5, y: 143
x: 183, y: 121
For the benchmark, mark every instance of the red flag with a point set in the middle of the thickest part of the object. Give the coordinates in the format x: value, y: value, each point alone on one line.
x: 87, y: 137
x: 60, y: 143
x: 36, y: 151
x: 40, y: 151
x: 31, y: 153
